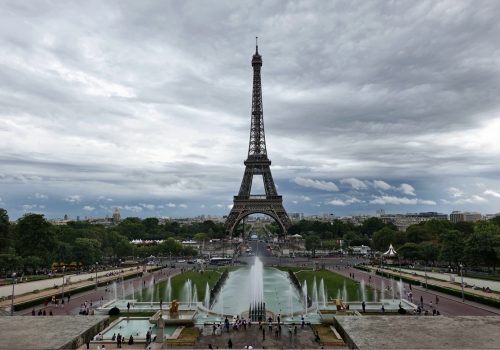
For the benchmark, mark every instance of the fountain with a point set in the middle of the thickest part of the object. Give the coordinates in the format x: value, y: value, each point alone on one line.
x: 392, y: 289
x: 344, y: 293
x: 382, y: 289
x: 123, y: 289
x: 151, y: 290
x: 115, y: 291
x: 194, y: 299
x: 304, y: 292
x: 168, y: 290
x: 375, y: 295
x: 187, y: 292
x: 257, y: 309
x: 315, y: 294
x: 131, y: 290
x: 290, y: 301
x: 206, y: 302
x: 322, y: 293
x: 400, y: 289
x: 363, y: 290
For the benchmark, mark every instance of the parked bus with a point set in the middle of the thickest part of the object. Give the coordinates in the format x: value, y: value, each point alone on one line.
x: 220, y: 261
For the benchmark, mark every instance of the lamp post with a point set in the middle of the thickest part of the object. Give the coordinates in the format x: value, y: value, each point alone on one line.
x: 64, y: 268
x: 425, y: 273
x: 96, y: 275
x: 12, y: 299
x: 462, y: 278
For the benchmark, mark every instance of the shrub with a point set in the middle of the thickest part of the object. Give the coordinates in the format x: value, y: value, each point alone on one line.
x: 114, y: 311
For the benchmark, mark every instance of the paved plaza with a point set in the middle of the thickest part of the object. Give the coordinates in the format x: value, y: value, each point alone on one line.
x: 56, y: 332
x: 413, y: 332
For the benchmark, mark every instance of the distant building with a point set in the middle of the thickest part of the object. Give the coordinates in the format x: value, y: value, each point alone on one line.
x: 116, y: 215
x: 403, y: 221
x: 361, y: 249
x: 459, y: 216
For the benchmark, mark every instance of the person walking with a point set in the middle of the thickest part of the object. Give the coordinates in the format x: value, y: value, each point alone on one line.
x: 230, y: 343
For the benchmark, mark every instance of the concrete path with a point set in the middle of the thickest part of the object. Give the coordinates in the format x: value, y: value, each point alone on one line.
x: 28, y: 287
x: 453, y: 277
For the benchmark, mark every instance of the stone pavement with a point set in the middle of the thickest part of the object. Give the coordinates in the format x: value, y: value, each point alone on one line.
x: 414, y: 332
x: 253, y: 336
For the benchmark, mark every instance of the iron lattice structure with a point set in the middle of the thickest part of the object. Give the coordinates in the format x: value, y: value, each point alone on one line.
x: 257, y: 163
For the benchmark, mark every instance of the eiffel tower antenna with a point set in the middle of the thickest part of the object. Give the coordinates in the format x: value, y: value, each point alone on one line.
x: 257, y: 163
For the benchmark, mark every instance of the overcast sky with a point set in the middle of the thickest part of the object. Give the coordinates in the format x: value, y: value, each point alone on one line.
x: 145, y: 105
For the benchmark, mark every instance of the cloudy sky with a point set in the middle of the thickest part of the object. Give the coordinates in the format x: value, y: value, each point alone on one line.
x: 145, y: 105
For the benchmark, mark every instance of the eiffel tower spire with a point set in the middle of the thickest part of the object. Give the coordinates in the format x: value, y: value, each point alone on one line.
x: 257, y: 146
x: 257, y: 163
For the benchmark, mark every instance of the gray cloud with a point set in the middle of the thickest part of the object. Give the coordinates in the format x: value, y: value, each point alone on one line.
x: 149, y: 102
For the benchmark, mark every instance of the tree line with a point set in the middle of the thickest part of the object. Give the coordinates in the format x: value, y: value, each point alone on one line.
x: 476, y: 244
x: 32, y: 243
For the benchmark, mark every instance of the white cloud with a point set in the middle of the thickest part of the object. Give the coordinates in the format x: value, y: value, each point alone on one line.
x: 295, y: 202
x: 147, y: 206
x: 88, y: 208
x: 202, y: 206
x: 381, y: 185
x: 317, y: 184
x: 230, y: 206
x: 41, y: 196
x: 354, y: 183
x: 305, y: 198
x: 183, y: 206
x: 133, y: 208
x: 383, y: 200
x: 219, y: 205
x: 407, y: 189
x: 341, y: 202
x: 455, y: 192
x: 75, y: 198
x: 492, y: 193
x: 171, y: 205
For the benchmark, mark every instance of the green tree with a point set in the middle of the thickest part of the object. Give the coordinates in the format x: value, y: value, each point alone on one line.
x: 87, y: 251
x: 429, y: 251
x: 312, y: 243
x: 410, y: 251
x: 417, y: 234
x: 5, y: 241
x: 452, y: 247
x: 481, y: 246
x: 371, y: 225
x: 382, y: 238
x: 34, y: 237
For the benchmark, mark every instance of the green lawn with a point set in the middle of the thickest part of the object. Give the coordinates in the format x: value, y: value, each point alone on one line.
x: 199, y: 279
x: 333, y: 284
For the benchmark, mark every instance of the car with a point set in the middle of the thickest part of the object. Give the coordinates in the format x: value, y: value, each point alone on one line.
x: 181, y: 261
x: 190, y: 262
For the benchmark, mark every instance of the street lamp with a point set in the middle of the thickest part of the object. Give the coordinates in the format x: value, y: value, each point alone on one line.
x: 12, y: 299
x: 64, y: 268
x: 96, y: 275
x: 462, y: 278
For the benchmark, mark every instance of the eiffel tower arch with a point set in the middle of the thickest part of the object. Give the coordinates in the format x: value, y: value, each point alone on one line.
x: 257, y: 163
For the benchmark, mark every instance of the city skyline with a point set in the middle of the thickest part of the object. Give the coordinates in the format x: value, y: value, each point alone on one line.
x: 146, y: 106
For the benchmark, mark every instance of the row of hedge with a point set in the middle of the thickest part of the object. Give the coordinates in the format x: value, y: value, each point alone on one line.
x: 454, y: 292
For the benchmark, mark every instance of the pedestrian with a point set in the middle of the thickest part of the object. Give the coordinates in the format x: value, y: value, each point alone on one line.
x: 44, y: 312
x: 363, y: 305
x: 279, y: 318
x: 50, y: 313
x: 437, y: 300
x: 430, y: 304
x: 213, y: 329
x: 263, y: 333
x: 230, y: 343
x: 302, y: 322
x: 119, y: 340
x: 210, y: 346
x: 33, y: 313
x: 422, y: 301
x: 161, y: 303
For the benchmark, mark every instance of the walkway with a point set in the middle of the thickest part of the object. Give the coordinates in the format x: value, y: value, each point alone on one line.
x: 453, y: 277
x: 447, y: 305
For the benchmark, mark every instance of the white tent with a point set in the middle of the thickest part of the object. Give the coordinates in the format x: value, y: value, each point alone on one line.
x: 391, y: 252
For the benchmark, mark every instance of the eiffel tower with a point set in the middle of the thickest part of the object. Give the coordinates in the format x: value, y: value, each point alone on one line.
x: 257, y: 163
